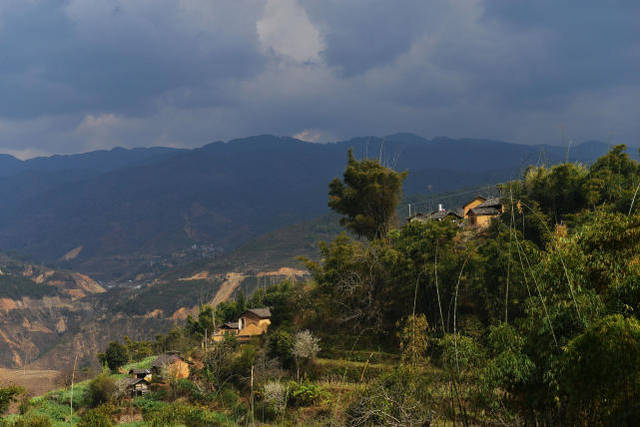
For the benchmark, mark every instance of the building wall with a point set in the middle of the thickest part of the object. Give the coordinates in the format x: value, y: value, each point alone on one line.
x: 178, y: 369
x: 254, y: 324
x: 472, y: 204
x: 481, y: 221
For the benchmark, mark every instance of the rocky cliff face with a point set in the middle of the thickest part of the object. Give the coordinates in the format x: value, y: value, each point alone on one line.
x: 38, y: 306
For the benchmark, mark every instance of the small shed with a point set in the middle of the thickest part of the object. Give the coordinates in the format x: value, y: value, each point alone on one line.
x: 137, y: 386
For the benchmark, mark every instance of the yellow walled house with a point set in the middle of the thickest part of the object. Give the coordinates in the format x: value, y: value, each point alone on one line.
x: 478, y: 200
x: 170, y: 365
x: 253, y: 322
x: 480, y: 211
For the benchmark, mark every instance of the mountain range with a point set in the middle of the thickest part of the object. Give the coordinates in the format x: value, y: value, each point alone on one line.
x: 98, y: 211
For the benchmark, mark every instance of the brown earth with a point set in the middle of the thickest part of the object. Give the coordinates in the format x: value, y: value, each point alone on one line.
x: 37, y: 382
x: 231, y: 283
x: 284, y: 271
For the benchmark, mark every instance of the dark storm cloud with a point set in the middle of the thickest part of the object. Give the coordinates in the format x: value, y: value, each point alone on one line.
x: 78, y: 75
x: 588, y: 45
x: 57, y: 58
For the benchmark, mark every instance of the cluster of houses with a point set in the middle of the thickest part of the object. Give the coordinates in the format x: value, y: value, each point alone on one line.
x: 253, y: 322
x: 477, y: 213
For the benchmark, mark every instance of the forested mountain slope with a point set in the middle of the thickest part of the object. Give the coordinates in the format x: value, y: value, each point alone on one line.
x: 123, y: 206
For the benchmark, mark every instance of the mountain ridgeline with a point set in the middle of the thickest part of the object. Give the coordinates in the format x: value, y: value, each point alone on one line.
x: 97, y: 209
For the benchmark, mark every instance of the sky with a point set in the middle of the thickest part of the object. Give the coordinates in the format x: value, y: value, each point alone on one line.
x: 79, y: 75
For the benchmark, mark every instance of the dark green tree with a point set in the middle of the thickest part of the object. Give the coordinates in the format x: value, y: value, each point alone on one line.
x: 368, y: 196
x: 601, y: 379
x: 115, y: 356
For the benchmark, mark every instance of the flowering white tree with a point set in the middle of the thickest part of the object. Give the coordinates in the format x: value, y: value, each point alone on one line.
x: 274, y: 393
x: 305, y: 348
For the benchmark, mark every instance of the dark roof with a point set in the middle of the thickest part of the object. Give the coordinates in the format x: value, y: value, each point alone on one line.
x: 230, y: 325
x: 490, y: 203
x: 263, y: 313
x: 164, y: 360
x: 484, y: 211
x: 139, y: 371
x: 440, y: 215
x: 133, y: 381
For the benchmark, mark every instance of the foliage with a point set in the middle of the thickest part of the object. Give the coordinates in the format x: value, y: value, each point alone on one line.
x: 275, y: 395
x: 414, y: 341
x: 367, y: 197
x: 17, y: 287
x: 301, y: 394
x: 531, y: 321
x: 280, y: 346
x: 138, y: 350
x: 305, y: 345
x: 305, y: 349
x: 8, y: 395
x: 115, y: 356
x: 190, y: 416
x: 30, y: 421
x: 102, y: 389
x: 601, y: 375
x: 97, y: 417
x: 217, y: 369
x: 399, y: 398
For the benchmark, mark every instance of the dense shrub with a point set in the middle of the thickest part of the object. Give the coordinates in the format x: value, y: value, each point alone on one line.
x: 101, y: 389
x: 97, y: 417
x: 601, y: 379
x: 301, y: 394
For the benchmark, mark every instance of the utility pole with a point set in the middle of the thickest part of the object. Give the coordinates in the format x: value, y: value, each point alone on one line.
x: 73, y: 376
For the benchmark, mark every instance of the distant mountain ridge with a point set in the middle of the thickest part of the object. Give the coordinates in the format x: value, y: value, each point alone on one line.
x: 153, y: 201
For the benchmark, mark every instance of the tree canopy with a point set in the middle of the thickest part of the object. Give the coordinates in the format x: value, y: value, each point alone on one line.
x: 367, y: 197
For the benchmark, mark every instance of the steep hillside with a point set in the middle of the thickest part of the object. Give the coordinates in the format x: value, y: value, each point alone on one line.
x: 37, y: 306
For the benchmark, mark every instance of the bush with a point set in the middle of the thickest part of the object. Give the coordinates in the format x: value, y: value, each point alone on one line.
x: 190, y: 416
x: 399, y: 398
x: 186, y: 388
x: 8, y: 395
x: 305, y: 394
x: 101, y: 389
x: 601, y: 376
x: 31, y: 421
x: 280, y: 347
x: 98, y: 417
x: 274, y: 395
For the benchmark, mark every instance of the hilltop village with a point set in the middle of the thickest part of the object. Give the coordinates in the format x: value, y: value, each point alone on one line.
x: 476, y: 213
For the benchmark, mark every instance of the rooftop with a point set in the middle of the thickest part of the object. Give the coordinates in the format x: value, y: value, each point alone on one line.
x: 263, y: 313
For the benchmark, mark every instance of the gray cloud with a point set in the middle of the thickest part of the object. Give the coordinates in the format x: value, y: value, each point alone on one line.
x: 77, y: 75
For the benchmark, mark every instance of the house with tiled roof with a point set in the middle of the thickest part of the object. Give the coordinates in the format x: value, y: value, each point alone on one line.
x: 480, y: 211
x: 253, y: 322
